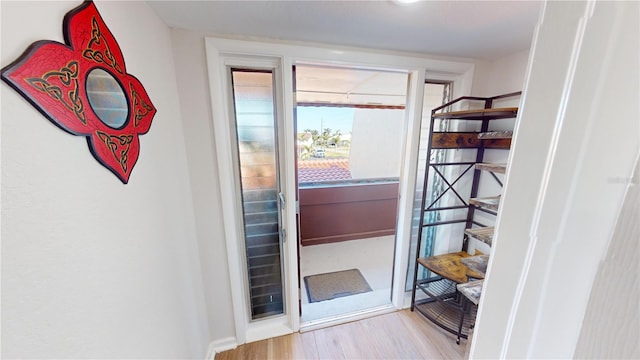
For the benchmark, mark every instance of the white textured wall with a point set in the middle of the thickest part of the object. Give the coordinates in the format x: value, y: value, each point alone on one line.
x: 92, y: 268
x: 376, y: 143
x: 572, y: 160
x: 611, y: 320
x: 492, y: 78
x: 504, y: 75
x: 193, y: 88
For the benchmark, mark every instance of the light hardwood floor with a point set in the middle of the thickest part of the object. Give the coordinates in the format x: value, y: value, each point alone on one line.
x: 398, y: 335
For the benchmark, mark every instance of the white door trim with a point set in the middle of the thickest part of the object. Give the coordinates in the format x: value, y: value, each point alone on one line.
x: 461, y: 72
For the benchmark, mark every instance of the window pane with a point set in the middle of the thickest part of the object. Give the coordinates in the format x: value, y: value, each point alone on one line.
x: 255, y: 130
x: 350, y: 125
x: 435, y: 94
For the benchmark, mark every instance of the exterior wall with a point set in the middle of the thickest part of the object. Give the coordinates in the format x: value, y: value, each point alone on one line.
x: 340, y: 213
x: 92, y: 268
x: 376, y: 143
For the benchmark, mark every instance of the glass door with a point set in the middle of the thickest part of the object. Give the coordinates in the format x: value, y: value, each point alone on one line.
x: 350, y: 126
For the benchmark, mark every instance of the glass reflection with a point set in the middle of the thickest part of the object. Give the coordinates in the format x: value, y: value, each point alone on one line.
x: 107, y: 98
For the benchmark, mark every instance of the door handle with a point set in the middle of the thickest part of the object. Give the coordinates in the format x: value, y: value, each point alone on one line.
x: 282, y: 201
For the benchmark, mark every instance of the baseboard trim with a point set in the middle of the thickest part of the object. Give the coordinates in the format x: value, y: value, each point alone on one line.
x: 220, y: 345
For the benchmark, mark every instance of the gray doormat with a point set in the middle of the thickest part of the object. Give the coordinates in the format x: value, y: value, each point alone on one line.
x: 337, y: 284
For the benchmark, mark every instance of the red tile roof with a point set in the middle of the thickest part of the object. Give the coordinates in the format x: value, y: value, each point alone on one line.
x: 318, y: 170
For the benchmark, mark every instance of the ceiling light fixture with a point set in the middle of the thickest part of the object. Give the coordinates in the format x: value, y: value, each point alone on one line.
x: 405, y: 2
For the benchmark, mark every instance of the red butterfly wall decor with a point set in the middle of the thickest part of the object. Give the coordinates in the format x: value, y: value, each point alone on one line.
x: 83, y: 87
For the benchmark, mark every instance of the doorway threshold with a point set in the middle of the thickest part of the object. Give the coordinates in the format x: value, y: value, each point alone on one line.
x: 346, y: 318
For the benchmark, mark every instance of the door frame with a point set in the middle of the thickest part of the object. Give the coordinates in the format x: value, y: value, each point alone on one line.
x: 222, y: 52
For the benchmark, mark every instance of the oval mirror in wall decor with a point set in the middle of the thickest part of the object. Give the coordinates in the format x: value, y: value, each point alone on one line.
x: 83, y: 87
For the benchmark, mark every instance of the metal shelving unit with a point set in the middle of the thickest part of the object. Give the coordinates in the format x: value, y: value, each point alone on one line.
x: 459, y: 177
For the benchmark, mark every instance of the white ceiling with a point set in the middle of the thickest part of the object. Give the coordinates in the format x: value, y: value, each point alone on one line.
x: 474, y: 29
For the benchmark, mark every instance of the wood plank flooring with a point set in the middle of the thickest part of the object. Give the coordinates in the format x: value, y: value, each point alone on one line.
x: 398, y: 335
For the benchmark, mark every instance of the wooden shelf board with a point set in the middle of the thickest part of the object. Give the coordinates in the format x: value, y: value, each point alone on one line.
x: 504, y: 144
x: 479, y: 114
x: 491, y: 202
x: 472, y: 290
x: 466, y: 140
x: 508, y: 134
x: 455, y: 140
x: 484, y: 234
x: 494, y: 168
x: 450, y: 267
x: 476, y: 263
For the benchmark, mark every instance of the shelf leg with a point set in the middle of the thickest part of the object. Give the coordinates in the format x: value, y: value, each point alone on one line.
x: 465, y: 305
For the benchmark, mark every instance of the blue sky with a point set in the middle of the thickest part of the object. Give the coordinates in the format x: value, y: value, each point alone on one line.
x: 310, y: 117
